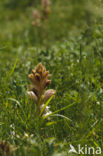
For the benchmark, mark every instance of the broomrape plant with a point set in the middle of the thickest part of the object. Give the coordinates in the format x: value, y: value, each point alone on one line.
x: 42, y: 97
x: 45, y: 9
x: 37, y: 91
x: 40, y: 17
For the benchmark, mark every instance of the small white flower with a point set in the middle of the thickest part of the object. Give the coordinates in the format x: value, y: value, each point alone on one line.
x: 47, y: 113
x: 26, y: 135
x: 98, y: 103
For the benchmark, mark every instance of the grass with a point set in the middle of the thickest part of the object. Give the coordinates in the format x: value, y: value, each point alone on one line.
x: 77, y: 79
x: 76, y: 68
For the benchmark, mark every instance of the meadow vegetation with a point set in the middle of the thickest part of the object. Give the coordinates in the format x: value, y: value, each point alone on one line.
x: 69, y: 43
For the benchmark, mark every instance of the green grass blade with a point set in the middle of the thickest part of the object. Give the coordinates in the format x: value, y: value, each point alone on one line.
x: 66, y: 107
x: 46, y: 104
x: 14, y: 100
x: 59, y: 115
x: 18, y: 104
x: 13, y: 68
x: 12, y: 71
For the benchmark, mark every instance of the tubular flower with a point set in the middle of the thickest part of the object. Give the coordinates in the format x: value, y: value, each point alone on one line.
x: 40, y: 80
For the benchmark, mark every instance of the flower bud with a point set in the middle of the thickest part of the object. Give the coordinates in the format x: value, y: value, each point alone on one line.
x: 32, y: 95
x: 48, y: 94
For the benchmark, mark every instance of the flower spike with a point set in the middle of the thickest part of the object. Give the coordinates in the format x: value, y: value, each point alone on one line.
x: 40, y: 81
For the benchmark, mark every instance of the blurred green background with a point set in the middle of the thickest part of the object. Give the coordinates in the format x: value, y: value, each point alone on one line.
x: 69, y: 42
x: 67, y: 18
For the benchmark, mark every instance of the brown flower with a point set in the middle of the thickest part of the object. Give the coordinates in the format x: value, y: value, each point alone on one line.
x: 40, y: 80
